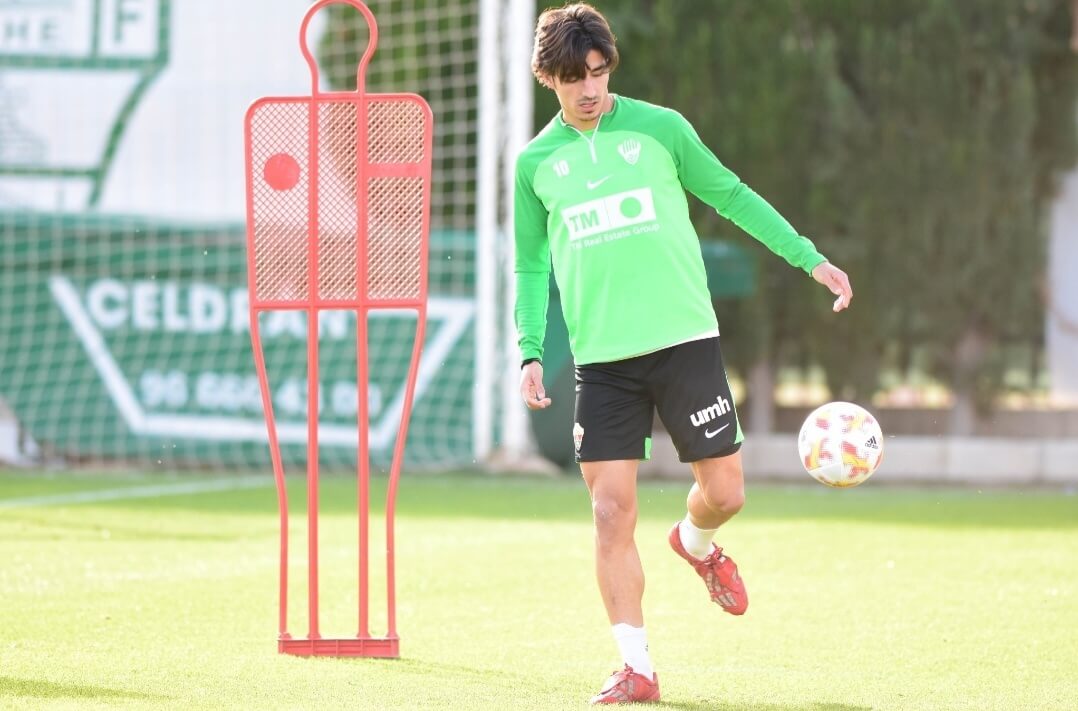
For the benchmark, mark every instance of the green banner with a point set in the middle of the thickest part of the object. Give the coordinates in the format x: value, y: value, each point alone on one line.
x: 128, y: 340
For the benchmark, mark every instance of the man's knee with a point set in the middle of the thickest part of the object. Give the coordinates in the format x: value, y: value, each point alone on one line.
x: 615, y: 518
x: 727, y: 497
x: 723, y: 487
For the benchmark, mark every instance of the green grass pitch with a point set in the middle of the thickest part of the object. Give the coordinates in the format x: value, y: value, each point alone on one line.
x: 873, y: 598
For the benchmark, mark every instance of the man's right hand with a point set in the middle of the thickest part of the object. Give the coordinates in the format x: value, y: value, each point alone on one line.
x: 531, y: 386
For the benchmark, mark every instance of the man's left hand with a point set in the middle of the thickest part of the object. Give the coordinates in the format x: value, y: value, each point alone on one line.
x: 836, y: 280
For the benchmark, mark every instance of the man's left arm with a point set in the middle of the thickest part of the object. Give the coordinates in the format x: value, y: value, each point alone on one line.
x: 703, y: 175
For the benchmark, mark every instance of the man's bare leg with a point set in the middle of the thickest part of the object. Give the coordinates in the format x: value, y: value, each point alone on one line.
x: 719, y: 491
x: 716, y: 496
x: 612, y: 486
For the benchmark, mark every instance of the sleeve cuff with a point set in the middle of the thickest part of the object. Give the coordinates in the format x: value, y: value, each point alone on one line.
x: 814, y: 262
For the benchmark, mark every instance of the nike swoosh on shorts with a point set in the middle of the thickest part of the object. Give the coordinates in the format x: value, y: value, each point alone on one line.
x: 709, y: 434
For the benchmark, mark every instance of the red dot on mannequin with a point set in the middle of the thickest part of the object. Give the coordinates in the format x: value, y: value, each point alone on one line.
x: 281, y: 171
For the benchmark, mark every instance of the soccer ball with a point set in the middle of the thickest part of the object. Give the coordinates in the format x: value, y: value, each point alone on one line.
x: 840, y: 444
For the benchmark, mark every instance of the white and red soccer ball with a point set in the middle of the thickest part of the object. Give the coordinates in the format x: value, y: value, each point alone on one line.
x: 840, y: 444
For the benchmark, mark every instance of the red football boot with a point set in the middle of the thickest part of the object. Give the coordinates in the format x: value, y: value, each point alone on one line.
x: 719, y: 573
x: 628, y: 687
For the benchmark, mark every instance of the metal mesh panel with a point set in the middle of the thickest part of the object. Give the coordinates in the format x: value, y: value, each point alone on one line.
x: 395, y: 224
x: 337, y: 225
x: 395, y: 127
x: 279, y: 131
x: 395, y: 204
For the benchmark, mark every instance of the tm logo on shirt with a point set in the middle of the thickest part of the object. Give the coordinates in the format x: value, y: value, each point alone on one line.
x: 632, y: 207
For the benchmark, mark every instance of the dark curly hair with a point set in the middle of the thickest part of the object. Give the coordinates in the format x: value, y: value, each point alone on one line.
x: 563, y: 38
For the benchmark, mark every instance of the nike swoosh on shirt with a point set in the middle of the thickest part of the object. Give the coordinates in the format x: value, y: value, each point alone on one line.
x: 709, y: 434
x: 592, y: 184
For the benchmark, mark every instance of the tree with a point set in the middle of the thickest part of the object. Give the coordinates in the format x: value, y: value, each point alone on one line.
x: 959, y: 101
x: 916, y: 141
x: 767, y: 102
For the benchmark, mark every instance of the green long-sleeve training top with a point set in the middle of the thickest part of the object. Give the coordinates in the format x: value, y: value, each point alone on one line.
x: 608, y: 209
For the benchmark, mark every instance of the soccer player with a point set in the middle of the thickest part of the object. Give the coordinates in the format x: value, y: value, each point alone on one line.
x: 600, y: 193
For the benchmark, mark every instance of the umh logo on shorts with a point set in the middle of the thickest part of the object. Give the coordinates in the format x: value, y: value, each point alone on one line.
x: 720, y: 408
x: 593, y: 217
x: 578, y: 436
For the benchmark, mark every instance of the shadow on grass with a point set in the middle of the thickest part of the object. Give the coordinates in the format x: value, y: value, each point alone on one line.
x: 37, y: 689
x: 426, y: 667
x: 49, y: 528
x: 564, y: 498
x: 712, y: 706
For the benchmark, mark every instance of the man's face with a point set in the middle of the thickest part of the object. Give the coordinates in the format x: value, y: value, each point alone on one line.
x: 584, y: 100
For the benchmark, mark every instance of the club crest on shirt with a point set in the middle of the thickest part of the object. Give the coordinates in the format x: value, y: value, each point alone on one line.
x: 630, y: 150
x: 578, y: 436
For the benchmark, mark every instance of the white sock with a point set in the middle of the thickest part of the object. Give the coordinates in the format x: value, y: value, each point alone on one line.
x: 697, y: 541
x: 633, y: 643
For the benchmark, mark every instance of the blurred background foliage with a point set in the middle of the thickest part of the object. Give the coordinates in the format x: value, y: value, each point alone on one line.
x: 917, y: 142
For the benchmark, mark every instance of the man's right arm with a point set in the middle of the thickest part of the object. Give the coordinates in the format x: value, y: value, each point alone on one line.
x: 532, y: 264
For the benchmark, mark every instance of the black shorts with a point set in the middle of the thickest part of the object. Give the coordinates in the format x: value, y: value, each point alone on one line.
x: 616, y: 404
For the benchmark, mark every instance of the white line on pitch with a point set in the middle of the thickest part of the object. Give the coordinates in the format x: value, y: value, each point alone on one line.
x: 139, y: 492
